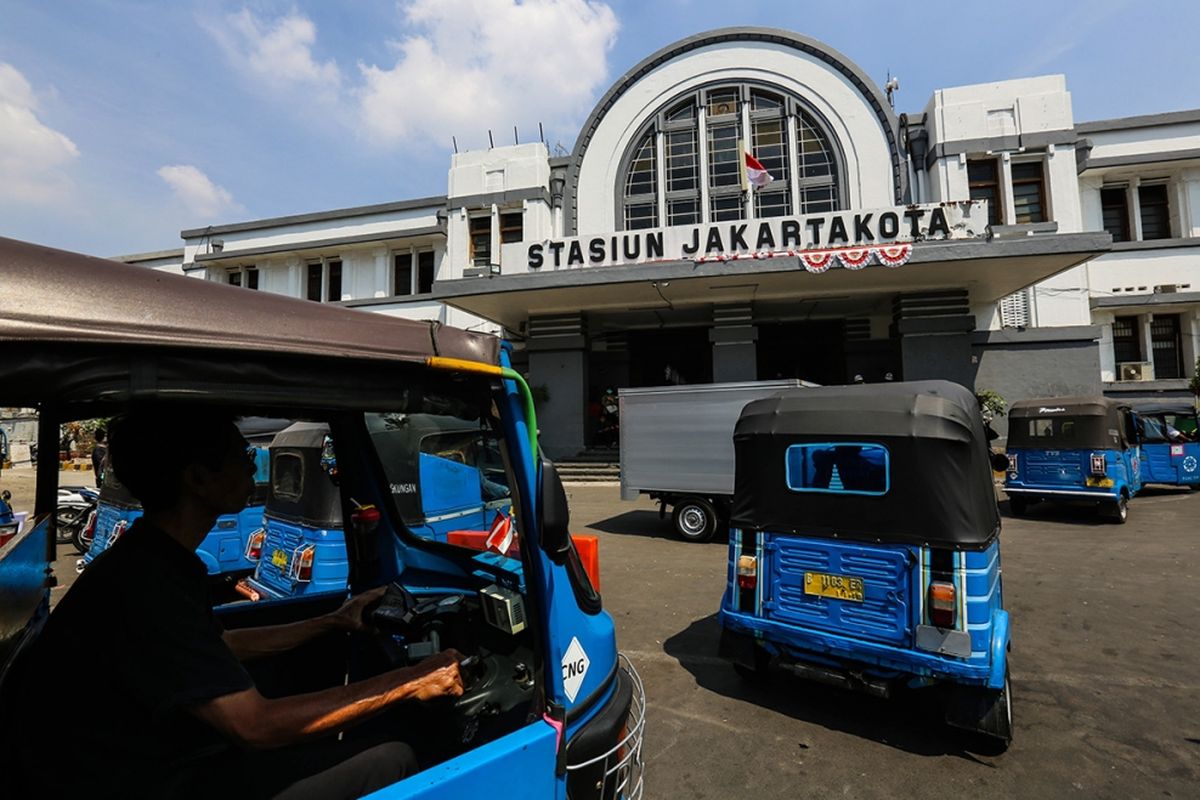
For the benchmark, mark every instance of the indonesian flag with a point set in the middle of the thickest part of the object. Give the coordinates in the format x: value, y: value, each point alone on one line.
x: 500, y: 535
x: 756, y: 174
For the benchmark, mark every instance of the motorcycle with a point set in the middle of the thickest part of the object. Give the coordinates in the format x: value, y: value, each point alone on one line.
x: 76, y: 507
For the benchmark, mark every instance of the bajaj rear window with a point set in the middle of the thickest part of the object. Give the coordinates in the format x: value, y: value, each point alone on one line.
x: 287, y: 478
x: 838, y: 468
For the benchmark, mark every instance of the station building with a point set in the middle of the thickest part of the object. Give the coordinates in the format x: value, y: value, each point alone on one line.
x: 987, y: 238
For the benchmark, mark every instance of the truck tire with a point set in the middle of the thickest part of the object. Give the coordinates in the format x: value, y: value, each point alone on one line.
x: 695, y: 519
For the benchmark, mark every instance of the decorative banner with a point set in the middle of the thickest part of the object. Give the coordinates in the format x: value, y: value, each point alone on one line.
x: 856, y: 258
x: 819, y: 261
x: 896, y: 255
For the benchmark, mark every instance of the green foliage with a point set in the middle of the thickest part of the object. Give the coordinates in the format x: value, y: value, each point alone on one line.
x: 991, y: 403
x: 1194, y: 383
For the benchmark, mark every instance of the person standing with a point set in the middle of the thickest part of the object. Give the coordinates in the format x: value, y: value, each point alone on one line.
x: 99, y: 452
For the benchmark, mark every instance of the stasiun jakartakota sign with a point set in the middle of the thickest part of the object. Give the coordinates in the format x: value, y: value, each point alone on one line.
x: 774, y: 236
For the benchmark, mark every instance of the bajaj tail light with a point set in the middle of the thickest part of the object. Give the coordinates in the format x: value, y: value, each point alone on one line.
x: 1012, y: 462
x: 1099, y: 466
x: 747, y: 572
x: 7, y: 532
x: 942, y: 604
x: 117, y: 530
x: 300, y: 570
x: 254, y: 545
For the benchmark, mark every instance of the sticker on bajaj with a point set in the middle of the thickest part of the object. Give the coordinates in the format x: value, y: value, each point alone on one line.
x: 575, y: 664
x: 838, y: 587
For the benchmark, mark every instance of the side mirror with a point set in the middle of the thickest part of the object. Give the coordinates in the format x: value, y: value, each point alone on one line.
x: 999, y: 461
x: 556, y: 517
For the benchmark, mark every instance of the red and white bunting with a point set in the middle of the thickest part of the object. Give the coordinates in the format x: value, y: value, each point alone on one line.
x: 856, y: 258
x: 895, y: 255
x: 817, y: 261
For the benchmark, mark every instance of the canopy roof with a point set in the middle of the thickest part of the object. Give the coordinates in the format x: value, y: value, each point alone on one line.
x: 1180, y: 407
x: 1082, y: 406
x: 73, y: 327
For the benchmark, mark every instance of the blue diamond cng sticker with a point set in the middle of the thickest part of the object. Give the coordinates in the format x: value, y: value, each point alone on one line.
x: 574, y: 667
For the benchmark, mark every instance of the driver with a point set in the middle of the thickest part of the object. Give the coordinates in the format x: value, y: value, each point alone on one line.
x: 172, y: 711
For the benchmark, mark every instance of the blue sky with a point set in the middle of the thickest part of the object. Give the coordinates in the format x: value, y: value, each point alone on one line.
x: 124, y: 121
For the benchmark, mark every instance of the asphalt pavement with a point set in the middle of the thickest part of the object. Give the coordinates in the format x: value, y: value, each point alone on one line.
x: 1105, y: 670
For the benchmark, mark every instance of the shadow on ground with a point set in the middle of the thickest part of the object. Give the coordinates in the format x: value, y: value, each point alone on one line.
x: 646, y: 524
x: 911, y: 720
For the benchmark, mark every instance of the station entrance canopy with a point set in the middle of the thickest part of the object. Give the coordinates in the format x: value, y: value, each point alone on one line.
x: 847, y: 253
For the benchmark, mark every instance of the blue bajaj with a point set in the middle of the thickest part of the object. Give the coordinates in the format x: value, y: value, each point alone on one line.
x: 1170, y: 443
x: 1074, y: 450
x: 864, y: 550
x: 448, y: 474
x: 300, y: 549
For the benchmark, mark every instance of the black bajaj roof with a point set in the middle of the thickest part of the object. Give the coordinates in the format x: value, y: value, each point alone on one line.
x: 940, y: 491
x: 1096, y: 422
x: 77, y: 329
x: 318, y: 504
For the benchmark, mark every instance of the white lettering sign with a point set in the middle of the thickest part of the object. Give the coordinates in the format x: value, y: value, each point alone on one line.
x: 574, y: 667
x: 841, y: 230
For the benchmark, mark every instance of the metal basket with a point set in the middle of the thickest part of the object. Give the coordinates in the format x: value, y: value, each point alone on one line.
x: 622, y: 771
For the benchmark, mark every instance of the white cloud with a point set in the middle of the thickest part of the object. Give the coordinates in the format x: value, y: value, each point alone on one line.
x: 480, y: 64
x: 277, y: 53
x: 196, y: 191
x: 32, y: 154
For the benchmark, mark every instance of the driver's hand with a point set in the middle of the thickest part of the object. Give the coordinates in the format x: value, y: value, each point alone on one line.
x: 438, y: 676
x: 350, y: 616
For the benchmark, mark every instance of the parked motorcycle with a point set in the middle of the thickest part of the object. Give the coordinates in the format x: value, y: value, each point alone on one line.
x: 76, y: 506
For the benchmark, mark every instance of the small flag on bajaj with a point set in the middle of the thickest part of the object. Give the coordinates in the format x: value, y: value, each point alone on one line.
x: 501, y: 534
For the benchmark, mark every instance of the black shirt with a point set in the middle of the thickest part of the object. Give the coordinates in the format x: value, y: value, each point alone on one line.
x: 130, y: 647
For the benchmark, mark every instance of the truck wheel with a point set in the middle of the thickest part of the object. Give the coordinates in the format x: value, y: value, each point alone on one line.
x: 695, y: 519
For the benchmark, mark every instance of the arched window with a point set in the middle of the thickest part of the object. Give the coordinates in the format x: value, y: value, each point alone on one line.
x: 700, y: 174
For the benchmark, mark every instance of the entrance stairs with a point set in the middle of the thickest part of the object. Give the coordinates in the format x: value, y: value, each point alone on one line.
x: 595, y: 465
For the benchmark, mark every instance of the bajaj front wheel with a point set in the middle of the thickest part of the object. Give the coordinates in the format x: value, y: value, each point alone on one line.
x: 695, y: 519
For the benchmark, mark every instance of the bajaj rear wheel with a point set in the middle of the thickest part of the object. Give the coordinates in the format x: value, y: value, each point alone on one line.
x: 759, y: 671
x: 1119, y: 511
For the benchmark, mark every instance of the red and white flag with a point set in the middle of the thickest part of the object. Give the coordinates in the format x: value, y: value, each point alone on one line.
x: 500, y: 535
x: 756, y: 174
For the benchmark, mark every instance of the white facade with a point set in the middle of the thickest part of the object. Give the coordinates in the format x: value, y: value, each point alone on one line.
x: 655, y: 156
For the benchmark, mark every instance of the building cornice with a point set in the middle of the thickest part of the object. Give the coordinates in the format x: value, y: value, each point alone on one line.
x: 433, y: 203
x: 1143, y: 121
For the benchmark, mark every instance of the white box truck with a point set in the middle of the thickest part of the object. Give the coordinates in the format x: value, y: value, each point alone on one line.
x: 677, y: 447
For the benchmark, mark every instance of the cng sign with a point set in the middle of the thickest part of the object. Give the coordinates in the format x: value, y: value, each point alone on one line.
x: 574, y: 667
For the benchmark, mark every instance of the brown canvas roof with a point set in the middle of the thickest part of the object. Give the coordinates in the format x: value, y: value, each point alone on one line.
x: 58, y: 297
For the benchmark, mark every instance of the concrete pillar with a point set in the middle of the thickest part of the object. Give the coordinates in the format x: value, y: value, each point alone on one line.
x: 935, y: 335
x: 734, y: 352
x: 557, y: 348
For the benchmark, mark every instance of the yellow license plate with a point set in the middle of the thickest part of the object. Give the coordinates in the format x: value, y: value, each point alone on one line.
x: 839, y: 587
x: 279, y: 558
x: 1104, y: 483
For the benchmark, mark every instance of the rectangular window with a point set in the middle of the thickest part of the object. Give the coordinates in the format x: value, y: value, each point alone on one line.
x: 726, y: 207
x: 838, y: 468
x: 983, y: 180
x: 1053, y: 430
x: 333, y: 281
x: 251, y: 277
x: 640, y: 215
x: 769, y: 146
x: 1155, y: 211
x: 724, y: 160
x: 235, y: 278
x: 1115, y: 205
x: 1168, y: 347
x: 772, y: 204
x: 313, y: 289
x: 683, y: 212
x: 287, y: 476
x: 425, y: 260
x: 1029, y: 192
x: 1127, y: 344
x: 682, y: 167
x: 818, y: 200
x: 402, y: 272
x: 512, y: 227
x: 481, y: 241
